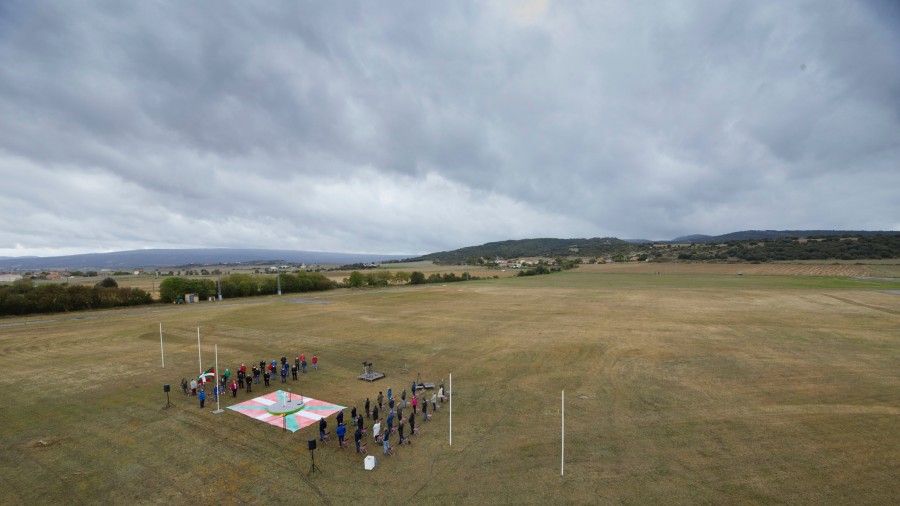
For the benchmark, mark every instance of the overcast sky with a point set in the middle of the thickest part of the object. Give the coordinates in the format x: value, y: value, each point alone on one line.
x: 416, y: 127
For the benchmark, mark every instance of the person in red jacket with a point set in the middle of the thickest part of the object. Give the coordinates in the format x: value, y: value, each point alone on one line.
x: 315, y: 361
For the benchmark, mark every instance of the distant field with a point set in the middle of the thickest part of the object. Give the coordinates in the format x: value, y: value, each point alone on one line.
x: 150, y: 283
x: 874, y: 268
x: 689, y: 386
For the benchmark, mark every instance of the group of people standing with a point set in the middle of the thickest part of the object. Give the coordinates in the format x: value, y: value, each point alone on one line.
x: 383, y: 428
x: 245, y: 378
x: 386, y: 412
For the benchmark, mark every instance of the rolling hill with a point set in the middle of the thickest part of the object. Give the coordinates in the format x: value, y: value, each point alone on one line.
x: 153, y: 258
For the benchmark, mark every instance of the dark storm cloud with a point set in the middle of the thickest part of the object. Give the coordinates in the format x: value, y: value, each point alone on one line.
x: 415, y: 128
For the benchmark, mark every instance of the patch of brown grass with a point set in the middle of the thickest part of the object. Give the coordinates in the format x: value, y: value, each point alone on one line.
x: 681, y: 392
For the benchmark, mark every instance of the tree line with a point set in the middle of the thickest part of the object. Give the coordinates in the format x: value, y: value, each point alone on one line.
x: 243, y: 285
x: 24, y: 297
x: 787, y: 249
x: 385, y: 278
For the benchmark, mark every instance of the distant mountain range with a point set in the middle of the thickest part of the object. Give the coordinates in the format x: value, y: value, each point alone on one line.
x: 749, y: 235
x: 156, y: 258
x: 546, y: 247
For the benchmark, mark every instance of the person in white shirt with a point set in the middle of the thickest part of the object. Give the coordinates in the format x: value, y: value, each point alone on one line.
x: 376, y: 430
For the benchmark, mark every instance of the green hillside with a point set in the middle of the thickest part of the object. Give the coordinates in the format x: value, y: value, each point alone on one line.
x: 544, y: 247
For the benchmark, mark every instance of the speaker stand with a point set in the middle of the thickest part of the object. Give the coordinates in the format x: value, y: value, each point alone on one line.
x: 312, y: 467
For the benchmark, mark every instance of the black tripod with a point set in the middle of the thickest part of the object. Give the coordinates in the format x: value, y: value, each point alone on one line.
x: 312, y: 467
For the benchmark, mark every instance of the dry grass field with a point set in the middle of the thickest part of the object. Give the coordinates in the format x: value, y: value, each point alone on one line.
x: 691, y: 386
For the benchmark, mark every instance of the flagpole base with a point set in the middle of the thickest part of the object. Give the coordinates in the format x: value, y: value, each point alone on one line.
x: 218, y: 411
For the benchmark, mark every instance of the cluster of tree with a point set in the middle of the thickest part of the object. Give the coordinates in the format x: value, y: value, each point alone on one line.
x: 418, y: 278
x: 568, y: 263
x: 200, y: 272
x: 85, y: 274
x: 355, y: 267
x: 540, y: 269
x: 175, y: 287
x: 787, y: 249
x: 23, y: 297
x: 377, y: 278
x: 385, y: 278
x: 243, y: 285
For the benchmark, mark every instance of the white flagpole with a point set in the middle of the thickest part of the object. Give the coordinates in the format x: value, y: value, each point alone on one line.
x: 216, y: 379
x: 451, y: 409
x: 161, y: 353
x: 562, y: 462
x: 199, y: 357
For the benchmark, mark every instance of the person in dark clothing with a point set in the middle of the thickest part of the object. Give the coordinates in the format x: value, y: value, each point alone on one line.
x: 267, y: 377
x: 357, y: 436
x: 284, y: 371
x: 412, y: 424
x: 340, y: 417
x: 375, y: 413
x: 249, y: 385
x: 368, y: 413
x: 359, y: 422
x: 294, y: 372
x: 380, y: 401
x: 322, y: 426
x: 353, y: 413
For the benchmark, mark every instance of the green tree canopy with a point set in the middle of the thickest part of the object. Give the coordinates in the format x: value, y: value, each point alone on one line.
x: 108, y: 282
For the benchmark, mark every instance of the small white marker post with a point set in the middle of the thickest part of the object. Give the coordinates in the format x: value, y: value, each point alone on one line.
x: 199, y: 357
x: 451, y: 409
x: 161, y: 353
x: 216, y: 380
x: 562, y: 462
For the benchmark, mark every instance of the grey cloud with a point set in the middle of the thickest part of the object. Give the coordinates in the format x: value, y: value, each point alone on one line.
x: 609, y: 118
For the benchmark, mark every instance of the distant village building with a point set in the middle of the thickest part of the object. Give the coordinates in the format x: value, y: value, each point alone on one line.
x: 9, y: 278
